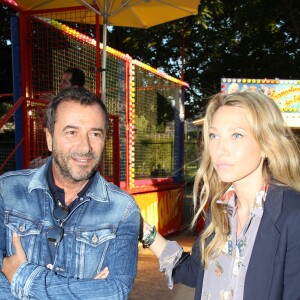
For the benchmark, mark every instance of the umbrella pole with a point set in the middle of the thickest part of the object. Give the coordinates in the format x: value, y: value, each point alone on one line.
x: 103, y: 63
x: 98, y: 57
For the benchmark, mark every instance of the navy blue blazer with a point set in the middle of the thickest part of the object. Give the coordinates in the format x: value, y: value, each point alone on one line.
x: 274, y: 268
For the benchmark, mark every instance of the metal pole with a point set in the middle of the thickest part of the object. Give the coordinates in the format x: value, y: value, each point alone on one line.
x: 14, y: 23
x: 98, y: 57
x: 103, y: 69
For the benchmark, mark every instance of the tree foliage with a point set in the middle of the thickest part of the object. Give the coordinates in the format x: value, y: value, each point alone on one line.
x: 228, y: 38
x: 5, y: 59
x: 5, y: 51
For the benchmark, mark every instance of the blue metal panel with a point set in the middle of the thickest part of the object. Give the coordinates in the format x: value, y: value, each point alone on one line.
x: 14, y: 25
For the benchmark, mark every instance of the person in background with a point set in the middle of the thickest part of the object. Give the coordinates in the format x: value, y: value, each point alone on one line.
x: 71, y: 77
x: 62, y: 226
x: 248, y: 186
x: 159, y: 172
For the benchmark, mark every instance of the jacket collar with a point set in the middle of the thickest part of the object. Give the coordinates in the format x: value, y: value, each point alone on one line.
x: 273, y: 203
x: 262, y: 261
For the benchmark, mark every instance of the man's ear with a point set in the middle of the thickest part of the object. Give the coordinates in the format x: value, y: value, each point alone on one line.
x: 49, y: 139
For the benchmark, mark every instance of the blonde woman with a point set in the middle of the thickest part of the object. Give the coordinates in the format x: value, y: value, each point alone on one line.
x: 249, y: 179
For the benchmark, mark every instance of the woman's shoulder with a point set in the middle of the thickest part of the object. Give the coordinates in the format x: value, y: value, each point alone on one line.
x: 289, y: 197
x: 284, y: 208
x: 282, y: 200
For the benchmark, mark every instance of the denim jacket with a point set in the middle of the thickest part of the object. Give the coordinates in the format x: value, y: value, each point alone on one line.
x: 102, y: 231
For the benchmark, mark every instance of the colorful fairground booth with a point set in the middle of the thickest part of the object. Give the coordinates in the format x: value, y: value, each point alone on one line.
x: 285, y: 93
x: 144, y: 150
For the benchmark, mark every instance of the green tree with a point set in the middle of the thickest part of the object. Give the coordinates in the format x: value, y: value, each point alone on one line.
x: 228, y: 38
x: 5, y: 59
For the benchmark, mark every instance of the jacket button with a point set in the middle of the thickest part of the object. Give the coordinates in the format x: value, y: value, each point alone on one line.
x: 49, y: 266
x: 94, y: 239
x: 22, y: 228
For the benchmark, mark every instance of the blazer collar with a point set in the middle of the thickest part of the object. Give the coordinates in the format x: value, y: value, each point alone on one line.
x: 259, y: 274
x: 273, y: 202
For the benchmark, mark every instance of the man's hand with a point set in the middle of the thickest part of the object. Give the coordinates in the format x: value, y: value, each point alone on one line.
x: 103, y: 274
x: 12, y: 263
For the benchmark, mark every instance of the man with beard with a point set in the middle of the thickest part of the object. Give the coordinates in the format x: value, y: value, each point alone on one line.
x: 62, y: 226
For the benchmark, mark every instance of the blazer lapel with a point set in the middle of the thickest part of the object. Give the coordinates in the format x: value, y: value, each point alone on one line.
x: 259, y: 273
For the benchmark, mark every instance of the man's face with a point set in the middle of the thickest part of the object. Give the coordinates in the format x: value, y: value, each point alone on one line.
x: 77, y: 142
x: 65, y: 81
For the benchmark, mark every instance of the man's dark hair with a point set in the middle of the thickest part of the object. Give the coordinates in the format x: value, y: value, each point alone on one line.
x: 78, y: 77
x: 76, y: 94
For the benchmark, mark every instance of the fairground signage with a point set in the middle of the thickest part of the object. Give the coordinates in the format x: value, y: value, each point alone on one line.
x: 286, y: 94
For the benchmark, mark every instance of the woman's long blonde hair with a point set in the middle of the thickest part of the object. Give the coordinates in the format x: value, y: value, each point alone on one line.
x: 281, y: 166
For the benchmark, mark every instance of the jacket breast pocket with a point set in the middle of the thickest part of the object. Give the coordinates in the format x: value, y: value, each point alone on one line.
x: 92, y: 247
x: 28, y: 229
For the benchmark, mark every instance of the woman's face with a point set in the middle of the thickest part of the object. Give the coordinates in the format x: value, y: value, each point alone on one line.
x: 235, y: 154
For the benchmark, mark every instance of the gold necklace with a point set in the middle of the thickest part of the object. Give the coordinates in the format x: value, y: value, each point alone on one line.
x: 240, y: 223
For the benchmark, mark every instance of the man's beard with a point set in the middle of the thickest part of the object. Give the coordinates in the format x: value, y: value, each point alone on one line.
x: 62, y: 162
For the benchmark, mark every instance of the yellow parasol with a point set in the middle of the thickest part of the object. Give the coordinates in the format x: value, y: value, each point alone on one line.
x: 127, y: 13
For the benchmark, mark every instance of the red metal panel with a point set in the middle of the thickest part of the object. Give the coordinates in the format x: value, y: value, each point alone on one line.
x: 116, y: 150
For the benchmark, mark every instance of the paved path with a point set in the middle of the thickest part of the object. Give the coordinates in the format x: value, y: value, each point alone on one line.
x: 150, y: 284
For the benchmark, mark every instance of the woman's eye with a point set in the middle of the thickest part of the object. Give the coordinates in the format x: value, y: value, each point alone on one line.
x: 212, y: 136
x: 237, y: 135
